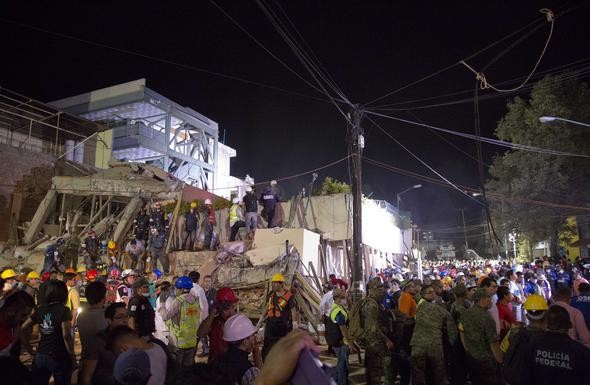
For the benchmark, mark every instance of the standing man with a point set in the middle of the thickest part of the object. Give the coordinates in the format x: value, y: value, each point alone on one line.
x: 141, y: 312
x: 190, y: 228
x: 32, y: 286
x: 236, y: 219
x: 578, y: 331
x: 73, y: 302
x: 92, y: 247
x: 325, y: 309
x: 279, y: 320
x: 141, y: 226
x: 198, y: 292
x: 582, y: 302
x: 338, y: 337
x: 492, y: 288
x: 71, y: 251
x: 125, y: 289
x: 516, y: 292
x: 157, y: 218
x: 481, y: 341
x: 251, y: 206
x: 134, y: 253
x: 181, y: 313
x: 269, y: 201
x: 407, y: 304
x: 158, y: 250
x: 433, y: 323
x: 210, y: 293
x: 91, y: 321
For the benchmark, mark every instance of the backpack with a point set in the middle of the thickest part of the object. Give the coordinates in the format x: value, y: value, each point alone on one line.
x: 356, y: 321
x: 514, y: 368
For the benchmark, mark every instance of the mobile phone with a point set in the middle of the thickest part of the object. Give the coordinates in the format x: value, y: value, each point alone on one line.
x: 311, y: 371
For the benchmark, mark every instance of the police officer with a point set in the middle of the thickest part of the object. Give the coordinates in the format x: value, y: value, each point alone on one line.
x: 554, y: 358
x: 141, y: 225
x: 91, y: 245
x: 269, y: 200
x: 480, y: 340
x: 279, y: 320
x: 377, y: 340
x: 157, y: 218
x: 141, y: 312
x: 433, y: 322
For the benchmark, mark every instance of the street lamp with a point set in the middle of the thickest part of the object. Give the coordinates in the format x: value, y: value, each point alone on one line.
x: 399, y: 196
x: 548, y: 119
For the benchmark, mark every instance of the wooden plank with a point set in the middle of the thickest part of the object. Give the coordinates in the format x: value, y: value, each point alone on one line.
x: 126, y: 219
x: 301, y: 304
x: 315, y: 276
x: 94, y: 218
x: 308, y: 287
x: 37, y: 242
x: 172, y: 224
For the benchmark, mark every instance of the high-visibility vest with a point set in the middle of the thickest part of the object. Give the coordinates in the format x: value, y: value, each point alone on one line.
x: 186, y: 330
x: 338, y: 309
x: 233, y: 214
x: 275, y: 308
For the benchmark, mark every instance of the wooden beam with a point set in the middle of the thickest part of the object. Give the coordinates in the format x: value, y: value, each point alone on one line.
x: 172, y: 225
x: 94, y: 218
x: 40, y: 216
x: 127, y: 219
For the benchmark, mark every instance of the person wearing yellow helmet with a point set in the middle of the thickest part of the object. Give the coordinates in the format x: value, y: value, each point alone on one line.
x: 279, y: 320
x: 10, y: 278
x: 32, y: 285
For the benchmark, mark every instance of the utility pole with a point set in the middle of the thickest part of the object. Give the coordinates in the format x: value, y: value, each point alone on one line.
x: 464, y: 230
x: 356, y: 144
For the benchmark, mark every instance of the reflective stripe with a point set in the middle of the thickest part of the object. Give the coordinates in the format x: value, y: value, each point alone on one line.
x: 282, y: 302
x: 186, y: 331
x: 338, y: 309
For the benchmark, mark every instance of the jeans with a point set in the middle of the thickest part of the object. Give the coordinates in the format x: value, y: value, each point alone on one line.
x: 251, y: 220
x: 184, y: 358
x: 342, y: 364
x: 163, y: 260
x: 191, y: 237
x: 44, y: 366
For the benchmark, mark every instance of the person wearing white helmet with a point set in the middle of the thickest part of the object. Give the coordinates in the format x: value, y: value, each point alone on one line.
x: 236, y: 218
x: 125, y: 289
x: 251, y: 205
x: 240, y: 334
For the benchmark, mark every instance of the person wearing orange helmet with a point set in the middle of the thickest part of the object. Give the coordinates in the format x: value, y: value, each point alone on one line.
x: 212, y: 327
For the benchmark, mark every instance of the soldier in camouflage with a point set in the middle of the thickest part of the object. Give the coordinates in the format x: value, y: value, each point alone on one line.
x: 432, y: 323
x: 378, y: 325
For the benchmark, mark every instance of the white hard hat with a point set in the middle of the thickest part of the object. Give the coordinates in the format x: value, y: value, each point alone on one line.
x: 236, y: 200
x: 249, y: 189
x: 237, y: 327
x: 273, y: 182
x: 127, y: 273
x: 208, y: 201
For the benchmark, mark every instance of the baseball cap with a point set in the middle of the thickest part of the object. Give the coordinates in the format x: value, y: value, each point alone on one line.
x: 132, y: 367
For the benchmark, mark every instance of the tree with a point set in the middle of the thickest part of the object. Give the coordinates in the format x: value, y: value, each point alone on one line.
x: 529, y: 175
x: 333, y: 186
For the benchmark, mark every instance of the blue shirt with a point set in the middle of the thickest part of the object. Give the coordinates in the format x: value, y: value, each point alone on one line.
x: 582, y: 303
x: 389, y: 301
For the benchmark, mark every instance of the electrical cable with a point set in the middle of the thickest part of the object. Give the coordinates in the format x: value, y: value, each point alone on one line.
x: 162, y: 60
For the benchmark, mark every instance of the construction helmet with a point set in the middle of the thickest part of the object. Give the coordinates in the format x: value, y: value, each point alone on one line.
x: 45, y: 276
x: 237, y: 327
x: 535, y: 302
x: 112, y: 245
x: 208, y: 201
x: 249, y: 189
x: 225, y: 294
x: 278, y: 277
x: 70, y: 270
x: 33, y: 275
x: 158, y: 273
x: 236, y: 200
x: 81, y: 269
x: 91, y: 275
x: 184, y: 282
x: 127, y: 273
x: 114, y: 272
x: 8, y: 274
x: 193, y: 205
x: 273, y: 182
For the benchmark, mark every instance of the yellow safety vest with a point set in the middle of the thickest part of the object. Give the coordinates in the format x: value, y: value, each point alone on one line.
x: 186, y: 331
x: 338, y: 309
x: 233, y: 214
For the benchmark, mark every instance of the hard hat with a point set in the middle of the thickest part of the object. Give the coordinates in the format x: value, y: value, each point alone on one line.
x: 236, y: 200
x: 184, y: 282
x: 91, y: 275
x: 237, y: 327
x: 249, y: 189
x: 225, y: 294
x: 81, y: 269
x: 45, y: 276
x: 535, y: 302
x: 8, y: 274
x: 128, y: 272
x: 114, y: 272
x: 112, y: 244
x: 273, y: 182
x: 278, y: 277
x: 33, y: 275
x: 158, y: 273
x: 193, y: 205
x: 70, y: 270
x: 208, y: 201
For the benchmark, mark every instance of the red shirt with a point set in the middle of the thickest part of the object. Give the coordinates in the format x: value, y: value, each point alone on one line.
x: 506, y: 313
x: 217, y: 346
x: 338, y: 282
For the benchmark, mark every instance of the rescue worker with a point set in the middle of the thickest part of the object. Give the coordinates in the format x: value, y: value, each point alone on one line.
x: 554, y: 358
x: 208, y: 236
x: 91, y: 244
x: 113, y: 254
x: 337, y: 335
x: 279, y: 320
x: 326, y: 307
x: 212, y: 327
x: 32, y: 286
x: 52, y: 257
x: 157, y: 218
x: 190, y: 227
x: 181, y: 314
x: 157, y: 250
x: 141, y: 312
x: 269, y: 201
x: 125, y: 289
x: 433, y: 324
x: 134, y: 254
x: 236, y: 219
x: 73, y: 301
x: 251, y: 206
x: 377, y: 335
x: 141, y: 227
x: 481, y: 341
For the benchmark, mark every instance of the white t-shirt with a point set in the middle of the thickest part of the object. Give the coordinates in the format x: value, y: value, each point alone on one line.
x: 158, y: 365
x: 198, y: 292
x: 326, y: 303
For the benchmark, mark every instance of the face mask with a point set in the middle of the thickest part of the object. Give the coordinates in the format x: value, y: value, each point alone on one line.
x: 145, y: 294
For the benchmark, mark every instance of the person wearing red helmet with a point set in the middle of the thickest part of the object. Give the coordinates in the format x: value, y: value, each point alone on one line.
x: 212, y: 327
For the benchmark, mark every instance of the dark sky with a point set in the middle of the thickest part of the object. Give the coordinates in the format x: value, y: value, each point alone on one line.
x: 368, y: 47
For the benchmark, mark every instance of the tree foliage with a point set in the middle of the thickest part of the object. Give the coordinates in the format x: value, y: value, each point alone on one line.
x: 333, y: 186
x: 527, y: 175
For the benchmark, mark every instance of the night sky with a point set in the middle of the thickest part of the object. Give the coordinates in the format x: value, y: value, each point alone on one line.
x: 368, y: 47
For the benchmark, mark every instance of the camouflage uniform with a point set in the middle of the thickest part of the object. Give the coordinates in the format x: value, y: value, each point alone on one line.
x: 479, y: 331
x: 432, y: 323
x: 378, y: 325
